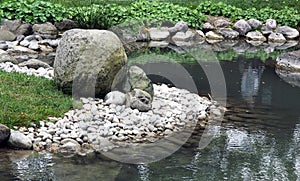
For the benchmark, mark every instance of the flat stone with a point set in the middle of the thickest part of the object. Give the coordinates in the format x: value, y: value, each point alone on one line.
x: 288, y: 32
x: 34, y: 63
x: 158, y: 34
x: 228, y: 33
x: 213, y: 36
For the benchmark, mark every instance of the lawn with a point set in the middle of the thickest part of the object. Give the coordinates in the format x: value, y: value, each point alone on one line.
x: 28, y: 99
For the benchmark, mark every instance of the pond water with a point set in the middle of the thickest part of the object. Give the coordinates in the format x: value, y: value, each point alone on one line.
x: 259, y: 138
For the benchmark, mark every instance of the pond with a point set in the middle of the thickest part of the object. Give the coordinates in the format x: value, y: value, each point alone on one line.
x: 259, y: 138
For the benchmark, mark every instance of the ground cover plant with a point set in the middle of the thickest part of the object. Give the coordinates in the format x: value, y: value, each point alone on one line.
x: 28, y: 99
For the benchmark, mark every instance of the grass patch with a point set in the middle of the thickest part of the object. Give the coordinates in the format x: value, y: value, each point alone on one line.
x: 28, y: 99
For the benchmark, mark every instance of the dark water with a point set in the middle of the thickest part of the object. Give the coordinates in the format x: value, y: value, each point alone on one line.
x: 259, y: 138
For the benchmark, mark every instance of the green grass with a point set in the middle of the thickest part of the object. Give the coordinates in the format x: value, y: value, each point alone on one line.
x: 28, y: 99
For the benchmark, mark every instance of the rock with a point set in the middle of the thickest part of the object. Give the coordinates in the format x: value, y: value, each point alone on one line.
x: 266, y: 31
x: 180, y: 26
x: 89, y: 58
x: 211, y: 35
x: 181, y: 36
x: 4, y: 133
x: 17, y: 27
x: 208, y: 26
x: 5, y: 57
x: 143, y: 34
x: 158, y: 34
x: 292, y: 78
x: 7, y: 35
x: 242, y: 27
x: 34, y: 63
x: 3, y: 46
x: 19, y: 140
x: 138, y: 99
x: 115, y: 97
x: 25, y: 43
x: 200, y: 33
x: 288, y: 44
x: 137, y: 79
x: 289, y: 61
x: 69, y: 146
x: 161, y: 44
x: 222, y: 23
x: 271, y: 24
x: 288, y: 32
x: 256, y: 36
x: 241, y: 47
x: 34, y: 45
x: 45, y: 30
x: 228, y: 33
x: 65, y: 24
x: 254, y: 23
x: 276, y: 38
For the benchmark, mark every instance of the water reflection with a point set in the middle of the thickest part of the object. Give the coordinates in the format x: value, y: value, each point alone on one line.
x: 250, y: 82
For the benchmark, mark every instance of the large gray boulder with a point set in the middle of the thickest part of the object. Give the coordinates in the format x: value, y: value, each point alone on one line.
x: 288, y: 32
x: 19, y: 140
x: 88, y: 61
x: 289, y: 61
x: 4, y: 133
x: 45, y: 30
x: 17, y: 27
x: 242, y: 27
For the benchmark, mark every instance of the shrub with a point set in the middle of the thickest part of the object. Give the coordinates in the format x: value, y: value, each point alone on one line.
x: 33, y: 11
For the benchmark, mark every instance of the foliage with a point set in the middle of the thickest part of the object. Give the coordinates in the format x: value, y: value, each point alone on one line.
x: 33, y: 11
x: 285, y: 16
x: 26, y: 99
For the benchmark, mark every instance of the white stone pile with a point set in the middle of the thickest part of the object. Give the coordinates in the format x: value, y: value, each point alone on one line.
x: 100, y: 126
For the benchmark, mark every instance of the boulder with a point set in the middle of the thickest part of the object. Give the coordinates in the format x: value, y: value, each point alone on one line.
x: 5, y: 57
x: 242, y: 27
x: 45, y: 30
x: 288, y: 32
x: 33, y: 45
x: 4, y: 133
x: 7, y: 35
x: 143, y: 35
x: 34, y: 63
x: 138, y: 99
x: 292, y: 78
x: 254, y: 23
x: 115, y: 97
x: 180, y: 26
x: 211, y: 35
x: 208, y: 26
x: 69, y: 146
x: 256, y: 36
x: 266, y: 31
x: 289, y: 61
x: 276, y: 38
x: 271, y: 24
x: 228, y: 33
x: 17, y: 27
x: 65, y: 24
x: 222, y: 23
x: 19, y: 140
x: 137, y: 79
x: 159, y: 34
x: 188, y: 36
x: 90, y: 59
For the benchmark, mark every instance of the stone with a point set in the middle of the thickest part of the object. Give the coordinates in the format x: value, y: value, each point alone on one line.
x: 69, y: 146
x: 159, y: 34
x: 242, y: 27
x: 115, y: 97
x: 292, y: 78
x: 66, y: 24
x: 34, y: 63
x: 5, y: 57
x: 200, y: 33
x: 7, y: 35
x: 45, y: 30
x: 34, y: 45
x: 3, y: 46
x: 222, y: 23
x: 211, y: 35
x: 17, y: 27
x: 88, y: 61
x: 4, y: 133
x: 266, y: 31
x: 289, y: 61
x: 256, y: 36
x: 161, y: 44
x: 276, y: 38
x: 288, y: 32
x: 254, y: 23
x: 24, y: 29
x: 25, y: 43
x: 271, y: 24
x: 228, y: 33
x: 143, y: 35
x: 181, y: 36
x: 208, y: 26
x: 180, y: 26
x: 19, y: 140
x: 138, y: 99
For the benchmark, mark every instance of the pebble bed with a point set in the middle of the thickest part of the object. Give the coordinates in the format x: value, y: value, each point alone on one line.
x: 97, y: 123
